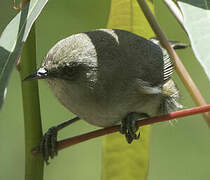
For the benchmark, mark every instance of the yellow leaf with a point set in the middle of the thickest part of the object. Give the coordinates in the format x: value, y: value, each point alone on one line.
x: 123, y: 161
x: 127, y: 15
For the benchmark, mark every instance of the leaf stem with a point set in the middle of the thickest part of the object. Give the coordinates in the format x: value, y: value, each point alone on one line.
x: 32, y: 119
x: 181, y: 70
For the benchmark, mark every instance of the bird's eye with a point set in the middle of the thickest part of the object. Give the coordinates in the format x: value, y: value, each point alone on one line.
x: 42, y: 72
x: 68, y: 71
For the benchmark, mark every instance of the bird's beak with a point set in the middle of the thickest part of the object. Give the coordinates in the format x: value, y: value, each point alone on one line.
x: 31, y: 76
x: 40, y: 74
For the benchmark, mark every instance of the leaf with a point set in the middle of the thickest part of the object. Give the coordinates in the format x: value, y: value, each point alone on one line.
x: 13, y: 38
x: 197, y: 24
x: 128, y: 16
x: 120, y: 159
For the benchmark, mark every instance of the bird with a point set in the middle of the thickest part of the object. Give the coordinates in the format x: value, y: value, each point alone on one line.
x: 107, y: 77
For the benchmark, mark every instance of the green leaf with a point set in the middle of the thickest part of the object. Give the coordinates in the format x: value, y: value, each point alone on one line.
x: 197, y: 24
x: 120, y: 159
x: 13, y: 38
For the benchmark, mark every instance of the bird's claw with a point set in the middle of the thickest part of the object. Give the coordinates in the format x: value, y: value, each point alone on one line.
x: 48, y: 144
x: 129, y: 126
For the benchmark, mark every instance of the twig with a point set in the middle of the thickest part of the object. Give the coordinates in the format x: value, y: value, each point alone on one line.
x: 174, y: 115
x: 181, y: 70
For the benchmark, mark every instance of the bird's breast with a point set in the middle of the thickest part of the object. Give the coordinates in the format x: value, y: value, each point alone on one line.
x: 100, y: 106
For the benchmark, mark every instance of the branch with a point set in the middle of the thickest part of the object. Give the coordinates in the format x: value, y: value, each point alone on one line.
x: 181, y: 70
x: 101, y: 132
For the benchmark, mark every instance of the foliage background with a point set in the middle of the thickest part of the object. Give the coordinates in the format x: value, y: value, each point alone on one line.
x: 177, y: 152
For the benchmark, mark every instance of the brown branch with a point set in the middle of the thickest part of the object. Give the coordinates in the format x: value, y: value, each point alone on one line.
x: 101, y: 132
x: 181, y: 70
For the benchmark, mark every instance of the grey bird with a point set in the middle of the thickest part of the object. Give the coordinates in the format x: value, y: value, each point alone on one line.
x: 108, y: 76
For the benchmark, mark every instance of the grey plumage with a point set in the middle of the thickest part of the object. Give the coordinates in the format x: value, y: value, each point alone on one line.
x: 108, y: 76
x: 105, y: 74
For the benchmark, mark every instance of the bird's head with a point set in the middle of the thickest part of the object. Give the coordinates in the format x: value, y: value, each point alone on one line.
x: 64, y: 70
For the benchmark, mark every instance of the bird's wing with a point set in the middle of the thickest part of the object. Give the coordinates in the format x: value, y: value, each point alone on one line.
x: 168, y: 63
x: 146, y: 88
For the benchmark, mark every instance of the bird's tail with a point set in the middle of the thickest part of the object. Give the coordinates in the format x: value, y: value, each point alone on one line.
x: 174, y: 44
x: 171, y: 97
x: 178, y: 45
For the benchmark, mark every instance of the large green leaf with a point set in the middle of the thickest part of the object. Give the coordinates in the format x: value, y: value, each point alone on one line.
x: 120, y: 159
x: 13, y: 38
x: 197, y: 24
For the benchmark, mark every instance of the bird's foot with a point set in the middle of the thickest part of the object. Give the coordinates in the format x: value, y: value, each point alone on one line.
x: 48, y: 144
x: 129, y: 126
